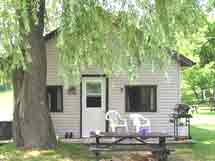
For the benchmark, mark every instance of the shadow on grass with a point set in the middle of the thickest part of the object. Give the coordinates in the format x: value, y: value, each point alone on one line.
x: 74, y: 152
x: 63, y: 152
x: 203, y: 150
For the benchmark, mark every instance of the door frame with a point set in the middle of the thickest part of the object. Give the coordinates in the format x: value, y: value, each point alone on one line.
x: 107, y: 97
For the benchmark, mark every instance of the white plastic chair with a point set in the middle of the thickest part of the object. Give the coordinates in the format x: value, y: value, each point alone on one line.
x: 116, y: 121
x: 139, y: 121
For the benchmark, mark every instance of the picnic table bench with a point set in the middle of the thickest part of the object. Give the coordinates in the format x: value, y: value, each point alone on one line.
x: 159, y: 149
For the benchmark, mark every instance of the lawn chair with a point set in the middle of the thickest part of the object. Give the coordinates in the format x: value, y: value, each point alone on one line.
x: 140, y: 122
x: 116, y: 121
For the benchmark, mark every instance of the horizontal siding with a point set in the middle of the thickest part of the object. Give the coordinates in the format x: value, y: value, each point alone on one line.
x: 168, y: 94
x: 69, y: 119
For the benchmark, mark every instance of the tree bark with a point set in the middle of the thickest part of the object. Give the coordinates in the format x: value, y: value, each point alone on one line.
x: 32, y: 122
x: 196, y: 94
x: 32, y: 125
x: 17, y: 87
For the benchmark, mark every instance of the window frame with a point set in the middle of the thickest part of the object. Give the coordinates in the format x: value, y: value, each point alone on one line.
x: 155, y: 99
x: 61, y: 91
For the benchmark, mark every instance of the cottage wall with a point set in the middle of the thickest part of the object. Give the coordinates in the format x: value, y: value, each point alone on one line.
x: 168, y: 94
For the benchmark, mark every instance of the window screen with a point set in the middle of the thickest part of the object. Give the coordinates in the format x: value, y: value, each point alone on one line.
x: 93, y: 94
x: 141, y: 98
x: 55, y: 98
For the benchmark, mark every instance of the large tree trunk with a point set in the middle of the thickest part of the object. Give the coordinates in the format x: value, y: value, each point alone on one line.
x: 17, y: 88
x: 32, y: 124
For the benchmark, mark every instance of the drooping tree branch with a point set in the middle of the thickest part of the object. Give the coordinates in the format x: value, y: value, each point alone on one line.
x: 122, y: 35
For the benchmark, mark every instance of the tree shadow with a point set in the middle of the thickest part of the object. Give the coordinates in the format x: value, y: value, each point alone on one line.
x: 74, y: 151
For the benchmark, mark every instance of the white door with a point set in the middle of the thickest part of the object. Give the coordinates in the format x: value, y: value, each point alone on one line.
x: 93, y: 104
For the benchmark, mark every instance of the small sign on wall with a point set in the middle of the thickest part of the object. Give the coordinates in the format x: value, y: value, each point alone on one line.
x: 72, y: 90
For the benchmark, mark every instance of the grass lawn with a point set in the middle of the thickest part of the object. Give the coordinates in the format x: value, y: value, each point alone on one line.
x: 203, y: 150
x: 205, y: 110
x: 64, y: 152
x: 206, y: 113
x: 203, y: 132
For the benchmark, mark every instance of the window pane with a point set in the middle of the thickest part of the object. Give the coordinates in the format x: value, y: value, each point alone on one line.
x: 141, y: 98
x: 93, y: 88
x: 152, y: 99
x: 93, y: 97
x: 59, y: 99
x: 93, y: 101
x: 54, y: 96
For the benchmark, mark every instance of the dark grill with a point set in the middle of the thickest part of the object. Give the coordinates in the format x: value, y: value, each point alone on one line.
x: 181, y: 111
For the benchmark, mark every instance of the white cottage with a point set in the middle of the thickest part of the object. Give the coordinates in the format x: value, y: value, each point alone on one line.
x: 82, y: 109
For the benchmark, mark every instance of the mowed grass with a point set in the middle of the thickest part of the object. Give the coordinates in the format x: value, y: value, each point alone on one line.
x: 203, y: 133
x: 202, y: 150
x: 205, y: 109
x: 6, y: 105
x: 63, y: 152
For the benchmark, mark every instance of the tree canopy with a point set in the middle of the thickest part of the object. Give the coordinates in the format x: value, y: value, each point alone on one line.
x: 17, y: 18
x: 112, y: 35
x: 200, y: 79
x: 206, y: 51
x: 121, y: 35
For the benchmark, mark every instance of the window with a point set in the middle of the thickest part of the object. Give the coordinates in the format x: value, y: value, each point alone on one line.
x: 141, y: 98
x: 55, y: 98
x: 93, y: 94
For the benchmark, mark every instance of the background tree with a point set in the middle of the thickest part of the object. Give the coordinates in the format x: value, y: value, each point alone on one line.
x: 112, y: 35
x: 201, y: 82
x: 206, y: 54
x: 201, y: 78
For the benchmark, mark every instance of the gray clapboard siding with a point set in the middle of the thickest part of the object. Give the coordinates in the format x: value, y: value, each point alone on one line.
x: 168, y: 94
x: 69, y: 119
